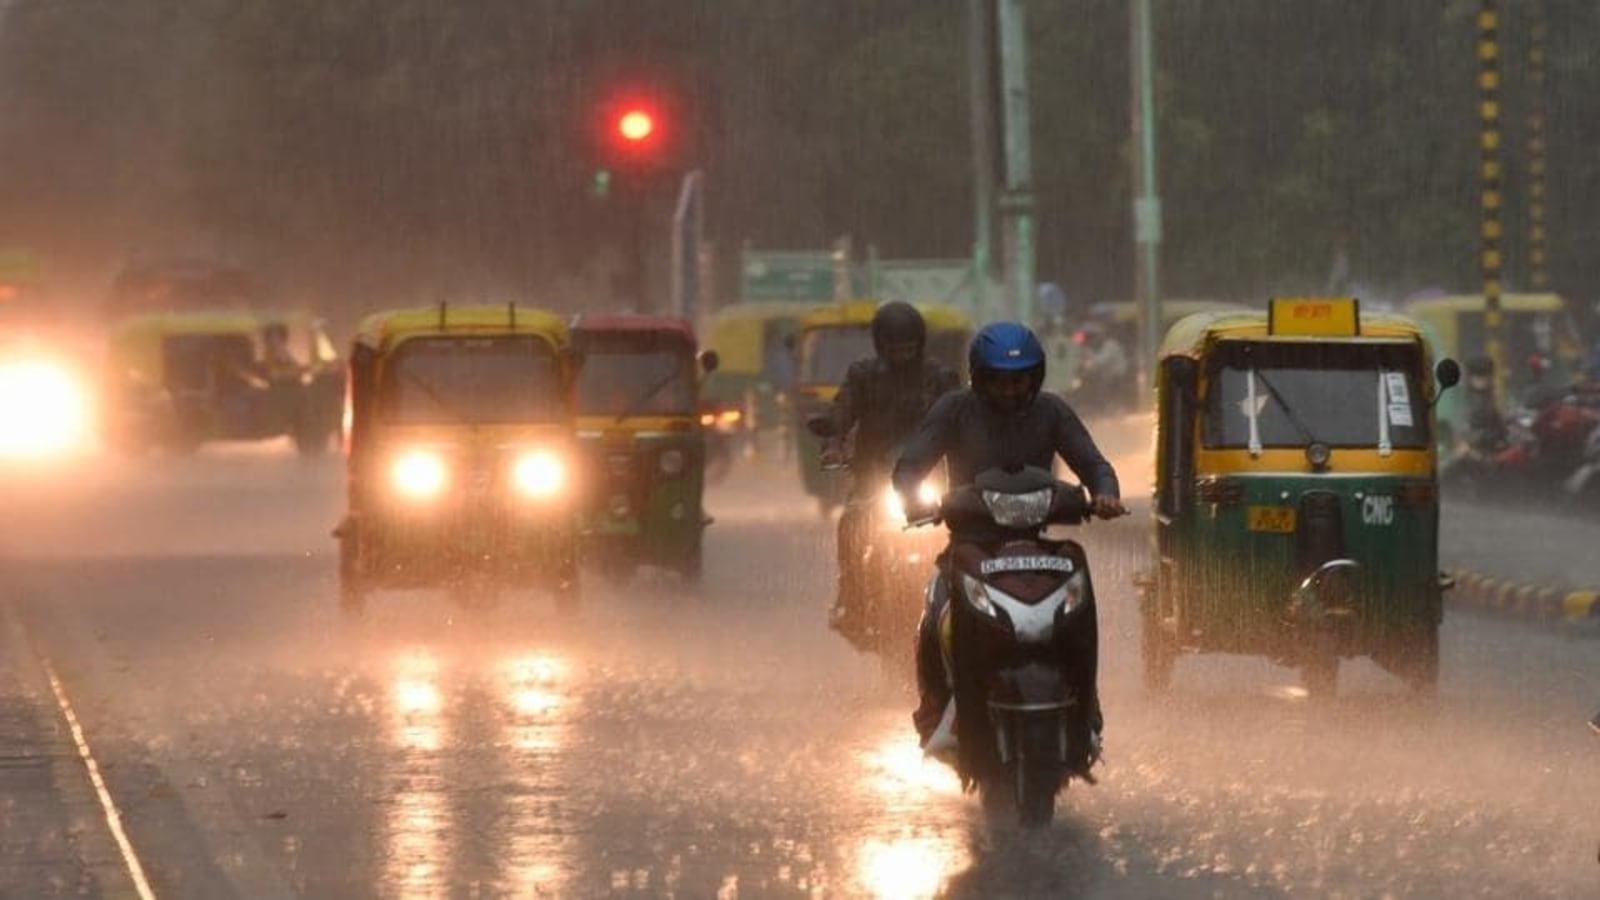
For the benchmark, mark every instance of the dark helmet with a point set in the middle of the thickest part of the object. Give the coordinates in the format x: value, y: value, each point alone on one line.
x: 898, y: 322
x: 1006, y: 347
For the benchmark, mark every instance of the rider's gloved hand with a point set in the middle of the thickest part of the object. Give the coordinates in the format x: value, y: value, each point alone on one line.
x: 1107, y: 507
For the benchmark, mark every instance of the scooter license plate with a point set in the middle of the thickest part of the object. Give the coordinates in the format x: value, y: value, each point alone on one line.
x: 1274, y: 519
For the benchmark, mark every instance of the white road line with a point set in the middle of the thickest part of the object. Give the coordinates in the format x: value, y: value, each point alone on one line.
x: 109, y: 806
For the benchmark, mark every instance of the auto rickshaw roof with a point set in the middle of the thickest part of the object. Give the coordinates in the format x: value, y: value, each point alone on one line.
x: 621, y: 324
x: 938, y: 316
x: 217, y: 322
x: 1172, y: 309
x: 1476, y: 302
x: 1191, y: 335
x: 383, y: 330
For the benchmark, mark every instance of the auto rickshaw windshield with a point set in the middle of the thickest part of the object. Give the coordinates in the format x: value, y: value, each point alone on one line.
x: 199, y: 360
x: 471, y: 380
x: 826, y: 353
x: 624, y: 378
x: 1294, y: 394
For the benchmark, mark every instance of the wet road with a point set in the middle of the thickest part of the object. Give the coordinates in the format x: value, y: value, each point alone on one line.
x: 666, y: 742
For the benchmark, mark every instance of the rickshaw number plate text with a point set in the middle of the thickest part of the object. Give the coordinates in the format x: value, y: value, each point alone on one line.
x: 1277, y: 519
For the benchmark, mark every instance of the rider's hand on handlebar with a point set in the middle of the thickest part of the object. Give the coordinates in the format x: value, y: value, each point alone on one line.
x: 1107, y: 507
x: 832, y: 458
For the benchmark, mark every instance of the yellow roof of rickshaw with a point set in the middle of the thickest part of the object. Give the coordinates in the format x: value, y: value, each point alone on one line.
x: 1190, y: 335
x: 1172, y: 308
x: 208, y: 322
x: 1475, y: 303
x: 383, y: 330
x: 938, y: 316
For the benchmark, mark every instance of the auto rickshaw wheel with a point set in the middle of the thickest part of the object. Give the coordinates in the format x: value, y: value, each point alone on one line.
x: 352, y: 587
x: 1320, y: 676
x: 693, y: 564
x: 569, y: 588
x: 1417, y: 663
x: 1159, y: 653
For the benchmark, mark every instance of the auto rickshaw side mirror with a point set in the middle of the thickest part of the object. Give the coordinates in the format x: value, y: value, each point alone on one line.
x: 1447, y: 373
x: 709, y: 361
x: 822, y: 426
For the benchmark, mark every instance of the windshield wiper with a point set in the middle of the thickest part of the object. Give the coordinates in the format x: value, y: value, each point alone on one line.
x: 647, y: 396
x: 433, y: 394
x: 1283, y: 404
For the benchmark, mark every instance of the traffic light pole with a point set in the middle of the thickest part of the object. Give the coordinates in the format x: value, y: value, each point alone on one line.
x: 1147, y: 201
x: 1017, y: 203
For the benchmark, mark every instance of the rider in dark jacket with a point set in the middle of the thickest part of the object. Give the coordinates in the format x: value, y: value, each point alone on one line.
x: 882, y: 399
x: 1002, y: 420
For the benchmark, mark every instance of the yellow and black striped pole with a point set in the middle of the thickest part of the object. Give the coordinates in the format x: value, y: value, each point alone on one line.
x: 1538, y: 274
x: 1491, y: 172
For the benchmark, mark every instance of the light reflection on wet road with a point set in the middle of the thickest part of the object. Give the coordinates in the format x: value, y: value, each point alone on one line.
x: 724, y: 744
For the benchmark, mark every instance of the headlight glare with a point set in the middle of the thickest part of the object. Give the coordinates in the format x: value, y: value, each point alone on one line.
x: 420, y: 474
x: 538, y: 474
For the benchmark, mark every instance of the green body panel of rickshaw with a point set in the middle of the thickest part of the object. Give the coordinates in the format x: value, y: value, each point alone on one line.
x: 1230, y: 587
x: 665, y: 516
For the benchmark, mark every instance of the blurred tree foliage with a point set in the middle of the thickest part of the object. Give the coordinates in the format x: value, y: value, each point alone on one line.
x: 368, y: 151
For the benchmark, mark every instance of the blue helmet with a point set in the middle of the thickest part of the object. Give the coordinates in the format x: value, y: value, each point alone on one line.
x: 1006, y: 347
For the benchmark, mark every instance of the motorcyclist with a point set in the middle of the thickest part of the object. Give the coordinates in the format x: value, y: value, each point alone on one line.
x: 1103, y: 368
x: 1002, y: 420
x: 883, y: 398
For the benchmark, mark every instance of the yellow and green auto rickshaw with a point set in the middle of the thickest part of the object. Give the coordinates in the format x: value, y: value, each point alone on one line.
x: 749, y: 392
x: 1296, y: 498
x: 174, y: 381
x: 1542, y: 346
x: 830, y: 339
x: 640, y: 430
x: 461, y: 456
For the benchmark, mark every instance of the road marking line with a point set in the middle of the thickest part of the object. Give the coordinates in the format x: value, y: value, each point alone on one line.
x: 109, y: 806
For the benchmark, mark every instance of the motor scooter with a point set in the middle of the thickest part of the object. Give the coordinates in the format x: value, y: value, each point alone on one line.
x: 1018, y: 637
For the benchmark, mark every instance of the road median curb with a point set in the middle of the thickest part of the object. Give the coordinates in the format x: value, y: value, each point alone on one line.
x: 1535, y: 601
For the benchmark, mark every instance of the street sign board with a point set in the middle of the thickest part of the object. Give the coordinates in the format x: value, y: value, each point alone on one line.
x: 786, y: 275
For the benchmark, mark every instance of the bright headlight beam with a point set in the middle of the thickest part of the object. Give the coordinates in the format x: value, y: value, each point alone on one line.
x: 419, y: 474
x: 43, y: 410
x: 539, y: 474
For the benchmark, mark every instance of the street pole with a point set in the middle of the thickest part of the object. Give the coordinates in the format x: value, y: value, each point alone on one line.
x: 1147, y: 200
x: 1538, y: 32
x: 1017, y: 204
x: 687, y: 236
x: 980, y: 78
x: 1490, y: 173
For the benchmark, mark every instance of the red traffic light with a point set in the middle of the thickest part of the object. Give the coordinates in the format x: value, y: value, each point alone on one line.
x: 636, y: 125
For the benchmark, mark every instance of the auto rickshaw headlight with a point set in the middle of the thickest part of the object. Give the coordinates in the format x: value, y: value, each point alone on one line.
x: 672, y: 462
x: 420, y: 474
x: 539, y: 474
x: 43, y: 409
x: 1318, y: 454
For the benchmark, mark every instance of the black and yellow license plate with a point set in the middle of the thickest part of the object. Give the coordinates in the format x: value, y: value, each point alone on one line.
x: 1276, y: 519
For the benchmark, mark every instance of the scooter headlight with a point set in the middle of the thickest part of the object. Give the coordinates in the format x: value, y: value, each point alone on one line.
x: 420, y: 474
x: 1019, y: 510
x: 538, y: 474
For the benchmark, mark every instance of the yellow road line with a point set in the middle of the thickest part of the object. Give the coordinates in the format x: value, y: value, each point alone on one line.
x: 109, y: 806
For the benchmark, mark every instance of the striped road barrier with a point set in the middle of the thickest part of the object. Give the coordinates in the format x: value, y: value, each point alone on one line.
x: 1529, y: 600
